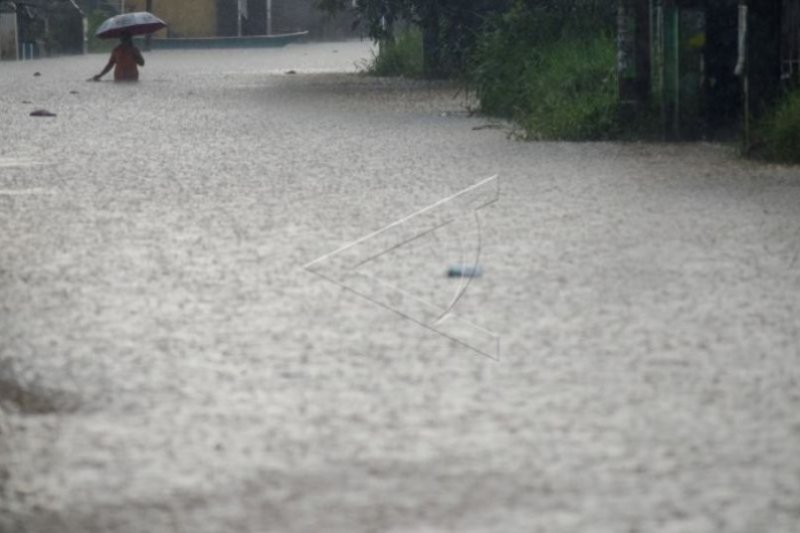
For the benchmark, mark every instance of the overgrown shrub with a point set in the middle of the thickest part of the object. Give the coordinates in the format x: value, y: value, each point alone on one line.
x: 399, y: 56
x: 95, y: 19
x: 572, y: 91
x: 452, y: 27
x: 779, y: 131
x: 558, y: 81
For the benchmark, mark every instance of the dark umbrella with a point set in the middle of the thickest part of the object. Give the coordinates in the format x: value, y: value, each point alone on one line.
x: 139, y: 23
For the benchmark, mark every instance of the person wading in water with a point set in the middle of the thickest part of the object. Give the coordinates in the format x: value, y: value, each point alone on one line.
x: 124, y: 58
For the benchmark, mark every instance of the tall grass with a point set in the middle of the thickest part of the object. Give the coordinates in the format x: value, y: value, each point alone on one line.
x: 399, y: 56
x: 555, y: 81
x: 779, y: 131
x: 571, y: 91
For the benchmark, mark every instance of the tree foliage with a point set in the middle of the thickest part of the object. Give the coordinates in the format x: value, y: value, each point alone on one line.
x: 451, y: 27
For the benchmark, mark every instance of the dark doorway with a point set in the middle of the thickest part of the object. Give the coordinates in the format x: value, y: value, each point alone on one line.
x: 256, y: 21
x: 724, y: 88
x: 764, y: 54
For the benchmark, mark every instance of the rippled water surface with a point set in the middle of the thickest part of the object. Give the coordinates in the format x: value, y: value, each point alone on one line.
x: 168, y: 365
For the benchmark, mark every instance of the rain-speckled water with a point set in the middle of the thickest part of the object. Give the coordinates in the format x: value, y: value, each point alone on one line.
x: 167, y: 365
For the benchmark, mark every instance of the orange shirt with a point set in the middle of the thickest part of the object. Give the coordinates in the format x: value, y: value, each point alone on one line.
x: 125, y: 58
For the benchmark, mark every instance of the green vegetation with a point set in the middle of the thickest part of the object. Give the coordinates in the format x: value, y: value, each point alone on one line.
x: 779, y: 131
x: 571, y: 91
x: 449, y: 28
x: 547, y: 64
x: 557, y: 80
x: 400, y: 55
x: 95, y: 19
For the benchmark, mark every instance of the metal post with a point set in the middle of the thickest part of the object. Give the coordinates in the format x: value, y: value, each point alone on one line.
x: 239, y: 18
x: 676, y: 117
x: 18, y: 42
x: 662, y: 68
x: 148, y: 40
x: 742, y: 71
x: 633, y: 52
x: 269, y: 17
x: 85, y: 24
x: 644, y: 58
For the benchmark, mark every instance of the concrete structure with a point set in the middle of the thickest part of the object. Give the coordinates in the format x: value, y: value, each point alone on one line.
x: 8, y: 36
x: 212, y: 18
x: 294, y: 15
x: 39, y: 28
x: 193, y: 18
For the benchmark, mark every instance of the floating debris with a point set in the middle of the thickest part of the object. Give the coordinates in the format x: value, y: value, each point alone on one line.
x: 42, y: 113
x: 291, y: 72
x: 37, y: 74
x: 73, y: 92
x: 464, y: 271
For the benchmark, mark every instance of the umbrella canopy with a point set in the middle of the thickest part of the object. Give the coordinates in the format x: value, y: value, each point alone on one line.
x: 130, y: 24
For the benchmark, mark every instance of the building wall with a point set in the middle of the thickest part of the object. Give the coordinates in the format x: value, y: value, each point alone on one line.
x: 288, y: 16
x: 291, y: 16
x: 206, y: 18
x: 65, y: 25
x: 43, y: 29
x: 302, y: 15
x: 186, y: 18
x: 8, y: 36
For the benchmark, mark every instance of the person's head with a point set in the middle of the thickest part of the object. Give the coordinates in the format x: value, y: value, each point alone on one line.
x: 126, y: 38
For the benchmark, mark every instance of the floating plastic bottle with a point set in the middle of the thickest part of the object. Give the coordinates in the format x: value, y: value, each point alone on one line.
x: 464, y: 271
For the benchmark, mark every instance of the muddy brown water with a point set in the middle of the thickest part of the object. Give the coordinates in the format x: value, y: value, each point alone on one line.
x: 152, y: 239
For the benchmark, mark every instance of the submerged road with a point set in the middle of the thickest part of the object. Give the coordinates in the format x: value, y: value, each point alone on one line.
x: 168, y: 365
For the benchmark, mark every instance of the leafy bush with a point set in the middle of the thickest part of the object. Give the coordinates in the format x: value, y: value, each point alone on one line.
x: 556, y: 81
x: 779, y: 131
x: 399, y: 56
x: 95, y: 19
x: 501, y: 58
x: 452, y: 27
x: 572, y: 91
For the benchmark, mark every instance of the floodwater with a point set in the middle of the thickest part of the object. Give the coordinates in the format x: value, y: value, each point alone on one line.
x: 168, y: 365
